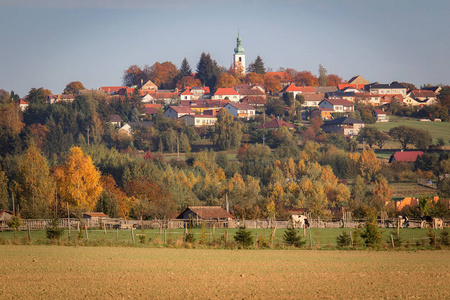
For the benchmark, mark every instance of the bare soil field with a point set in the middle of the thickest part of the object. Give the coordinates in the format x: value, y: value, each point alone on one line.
x: 43, y: 272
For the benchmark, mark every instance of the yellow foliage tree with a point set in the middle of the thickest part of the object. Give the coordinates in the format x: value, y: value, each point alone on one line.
x: 78, y: 181
x: 368, y: 164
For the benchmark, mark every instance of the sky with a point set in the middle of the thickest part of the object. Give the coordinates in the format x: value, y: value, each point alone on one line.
x: 49, y: 43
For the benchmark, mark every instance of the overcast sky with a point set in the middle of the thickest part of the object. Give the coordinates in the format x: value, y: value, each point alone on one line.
x: 49, y: 43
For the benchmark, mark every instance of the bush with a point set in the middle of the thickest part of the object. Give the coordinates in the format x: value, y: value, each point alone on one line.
x: 396, y: 238
x: 371, y: 235
x: 243, y: 237
x: 444, y: 237
x: 432, y: 237
x: 344, y: 239
x: 292, y: 238
x: 54, y: 232
x: 189, y: 238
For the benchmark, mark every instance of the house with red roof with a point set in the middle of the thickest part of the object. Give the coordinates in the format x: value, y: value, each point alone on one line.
x: 380, y: 115
x: 112, y: 90
x: 226, y: 93
x: 241, y: 110
x: 176, y: 112
x: 405, y: 156
x: 276, y: 124
x: 23, y: 105
x: 297, y: 90
x: 337, y: 105
x: 205, y: 213
x: 313, y: 99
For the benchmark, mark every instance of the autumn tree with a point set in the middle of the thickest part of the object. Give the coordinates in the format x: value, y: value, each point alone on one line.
x: 164, y: 75
x: 73, y: 88
x: 408, y: 135
x: 225, y: 80
x: 257, y: 66
x: 4, y: 196
x: 188, y: 81
x: 368, y: 164
x: 133, y: 76
x: 78, y: 181
x: 272, y: 84
x: 113, y: 200
x: 368, y: 135
x: 11, y: 126
x: 254, y: 78
x: 227, y: 132
x: 38, y: 96
x: 322, y: 76
x: 381, y: 194
x: 36, y: 191
x: 185, y: 69
x: 334, y: 80
x: 306, y: 78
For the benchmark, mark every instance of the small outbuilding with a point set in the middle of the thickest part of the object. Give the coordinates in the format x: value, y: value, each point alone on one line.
x: 405, y: 156
x: 95, y: 218
x: 5, y: 215
x: 216, y: 213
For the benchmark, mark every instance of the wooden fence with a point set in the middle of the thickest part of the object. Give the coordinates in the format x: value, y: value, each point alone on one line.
x: 110, y: 223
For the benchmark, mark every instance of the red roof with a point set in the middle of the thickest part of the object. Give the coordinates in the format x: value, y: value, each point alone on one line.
x: 405, y: 156
x: 340, y: 102
x: 423, y: 94
x: 225, y: 92
x: 346, y: 85
x: 379, y: 111
x: 155, y: 105
x: 208, y: 212
x: 151, y: 110
x: 112, y: 89
x: 23, y: 102
x: 276, y: 123
x: 182, y: 109
x: 242, y: 106
x: 95, y: 214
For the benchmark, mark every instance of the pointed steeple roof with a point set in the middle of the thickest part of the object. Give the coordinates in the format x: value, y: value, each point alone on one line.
x: 238, y: 49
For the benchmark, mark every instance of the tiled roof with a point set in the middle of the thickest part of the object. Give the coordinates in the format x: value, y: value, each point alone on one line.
x: 182, y: 109
x: 314, y: 97
x: 225, y: 92
x: 95, y: 214
x: 253, y: 100
x: 343, y: 120
x: 115, y: 118
x: 204, y: 103
x: 112, y: 89
x: 201, y: 116
x: 392, y: 85
x: 276, y: 123
x: 208, y: 212
x: 151, y: 110
x: 405, y: 156
x: 340, y: 102
x: 379, y: 111
x: 423, y: 94
x: 242, y: 106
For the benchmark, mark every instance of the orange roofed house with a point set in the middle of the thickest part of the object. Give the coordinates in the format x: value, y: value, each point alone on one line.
x: 226, y: 93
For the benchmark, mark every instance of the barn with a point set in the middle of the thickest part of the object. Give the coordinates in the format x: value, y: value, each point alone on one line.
x: 205, y: 213
x: 95, y: 218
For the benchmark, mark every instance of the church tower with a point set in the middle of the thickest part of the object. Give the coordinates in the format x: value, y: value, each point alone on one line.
x: 239, y: 57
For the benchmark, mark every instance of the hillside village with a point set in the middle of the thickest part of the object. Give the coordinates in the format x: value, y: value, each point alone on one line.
x: 169, y: 139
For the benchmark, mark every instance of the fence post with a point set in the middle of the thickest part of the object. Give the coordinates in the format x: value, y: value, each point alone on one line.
x: 165, y: 236
x: 256, y: 240
x: 226, y: 236
x: 85, y: 230
x: 104, y: 227
x: 117, y: 234
x: 310, y: 240
x: 351, y: 238
x: 132, y: 234
x: 29, y: 232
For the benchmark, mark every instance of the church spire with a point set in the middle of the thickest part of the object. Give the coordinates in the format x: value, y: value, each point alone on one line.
x: 238, y: 49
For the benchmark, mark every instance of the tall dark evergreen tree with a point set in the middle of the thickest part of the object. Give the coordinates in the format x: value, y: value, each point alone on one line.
x: 207, y: 70
x: 257, y: 66
x: 185, y: 69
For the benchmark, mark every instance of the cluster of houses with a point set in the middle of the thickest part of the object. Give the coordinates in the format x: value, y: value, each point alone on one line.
x: 197, y: 106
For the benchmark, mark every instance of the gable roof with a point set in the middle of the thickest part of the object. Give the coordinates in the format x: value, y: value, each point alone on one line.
x: 339, y: 102
x: 343, y: 120
x: 182, y: 109
x: 225, y: 92
x: 358, y: 79
x: 242, y: 106
x: 379, y: 112
x: 115, y: 118
x: 94, y: 215
x: 149, y: 85
x: 325, y: 89
x: 349, y: 85
x: 392, y: 85
x: 112, y: 89
x: 276, y: 123
x: 423, y: 94
x: 405, y: 156
x: 208, y: 212
x: 314, y: 97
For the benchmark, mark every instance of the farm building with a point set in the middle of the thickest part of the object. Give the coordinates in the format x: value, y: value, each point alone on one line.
x: 405, y: 156
x: 95, y: 218
x: 5, y: 215
x: 205, y: 213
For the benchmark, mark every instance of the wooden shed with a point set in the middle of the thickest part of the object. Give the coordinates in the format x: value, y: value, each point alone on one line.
x: 5, y: 215
x: 205, y: 213
x: 95, y: 218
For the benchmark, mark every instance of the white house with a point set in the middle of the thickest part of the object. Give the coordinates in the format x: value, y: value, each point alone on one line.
x: 226, y: 93
x: 199, y: 120
x: 241, y: 110
x: 380, y: 115
x: 390, y: 88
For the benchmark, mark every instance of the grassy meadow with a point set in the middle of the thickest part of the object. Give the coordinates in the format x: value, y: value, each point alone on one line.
x: 317, y: 238
x: 43, y: 272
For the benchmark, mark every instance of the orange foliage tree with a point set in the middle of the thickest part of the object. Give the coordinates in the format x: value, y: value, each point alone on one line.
x: 306, y: 78
x: 115, y: 195
x: 188, y: 81
x: 254, y: 78
x: 78, y: 181
x: 272, y: 84
x: 333, y: 79
x: 163, y: 74
x: 225, y: 80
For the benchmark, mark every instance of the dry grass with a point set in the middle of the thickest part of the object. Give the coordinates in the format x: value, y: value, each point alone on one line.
x: 43, y: 272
